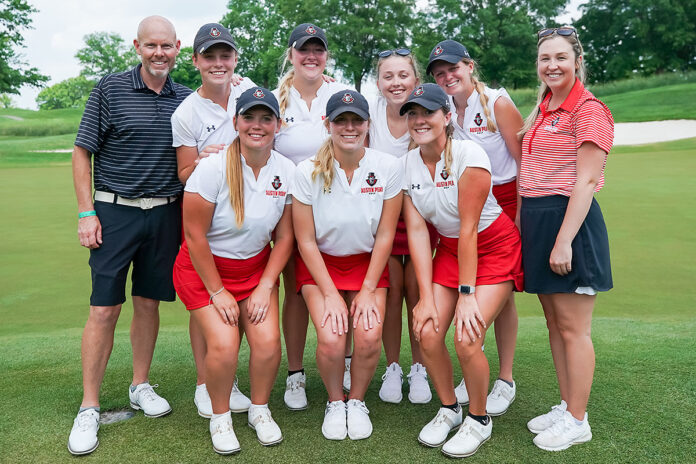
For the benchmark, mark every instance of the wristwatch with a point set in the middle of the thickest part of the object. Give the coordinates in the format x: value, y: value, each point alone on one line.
x: 467, y: 289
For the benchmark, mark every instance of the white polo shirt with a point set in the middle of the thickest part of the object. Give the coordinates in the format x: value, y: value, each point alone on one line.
x: 380, y: 137
x: 199, y: 122
x: 437, y: 200
x: 475, y: 128
x: 303, y: 131
x: 346, y: 217
x: 264, y: 201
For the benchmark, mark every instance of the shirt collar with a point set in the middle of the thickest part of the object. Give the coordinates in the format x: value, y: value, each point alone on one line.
x: 139, y: 84
x: 570, y: 101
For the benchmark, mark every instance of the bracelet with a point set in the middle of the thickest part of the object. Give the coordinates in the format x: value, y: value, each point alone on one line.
x: 85, y: 214
x: 214, y: 295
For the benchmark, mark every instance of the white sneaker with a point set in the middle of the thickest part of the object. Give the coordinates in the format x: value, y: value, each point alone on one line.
x: 335, y: 421
x: 267, y: 431
x: 564, y: 433
x: 468, y: 439
x: 83, y: 436
x: 222, y: 435
x: 543, y: 422
x: 500, y: 398
x: 359, y: 424
x: 390, y: 391
x: 346, y: 375
x: 461, y: 393
x: 145, y: 398
x: 201, y: 399
x: 435, y: 432
x: 419, y: 390
x: 238, y: 400
x: 295, y: 396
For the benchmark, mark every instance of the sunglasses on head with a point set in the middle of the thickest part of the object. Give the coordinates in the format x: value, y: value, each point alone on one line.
x: 398, y: 51
x: 565, y: 31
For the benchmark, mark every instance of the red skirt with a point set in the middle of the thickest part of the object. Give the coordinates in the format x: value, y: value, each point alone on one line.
x: 499, y: 257
x: 347, y: 272
x: 400, y: 247
x: 506, y: 196
x: 239, y: 277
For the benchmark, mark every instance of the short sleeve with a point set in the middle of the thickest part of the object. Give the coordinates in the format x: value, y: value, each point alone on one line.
x: 95, y: 121
x: 404, y: 183
x: 182, y: 135
x: 470, y: 155
x: 206, y: 180
x: 290, y: 176
x: 395, y: 182
x: 593, y: 123
x: 302, y: 184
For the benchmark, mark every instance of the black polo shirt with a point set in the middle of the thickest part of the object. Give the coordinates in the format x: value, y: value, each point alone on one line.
x: 128, y: 128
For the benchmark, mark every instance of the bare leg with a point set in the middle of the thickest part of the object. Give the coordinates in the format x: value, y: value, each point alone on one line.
x: 97, y: 343
x: 295, y: 319
x: 198, y: 348
x: 558, y: 352
x: 367, y: 350
x: 143, y: 335
x: 506, y: 337
x: 391, y: 335
x: 411, y: 293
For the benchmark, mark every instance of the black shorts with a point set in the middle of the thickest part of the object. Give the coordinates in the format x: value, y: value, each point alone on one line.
x: 149, y: 239
x: 540, y: 221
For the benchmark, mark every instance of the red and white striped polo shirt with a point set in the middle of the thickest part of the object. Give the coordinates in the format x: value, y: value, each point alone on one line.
x: 550, y: 147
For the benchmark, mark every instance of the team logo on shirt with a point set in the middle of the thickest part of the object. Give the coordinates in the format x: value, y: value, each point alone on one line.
x: 210, y: 128
x: 215, y: 32
x: 438, y: 51
x: 259, y: 93
x: 445, y: 176
x: 347, y: 99
x: 276, y: 182
x: 371, y: 181
x: 418, y: 92
x: 311, y: 30
x: 553, y: 128
x: 555, y: 121
x: 478, y: 119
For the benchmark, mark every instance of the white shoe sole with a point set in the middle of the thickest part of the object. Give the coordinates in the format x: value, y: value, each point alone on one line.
x: 465, y: 455
x: 227, y: 452
x: 138, y: 408
x: 496, y: 414
x: 536, y: 431
x: 437, y: 445
x: 333, y: 438
x: 205, y: 416
x: 393, y: 401
x: 269, y: 443
x: 302, y: 408
x: 420, y: 402
x: 82, y: 453
x: 237, y: 411
x: 583, y: 439
x: 362, y: 437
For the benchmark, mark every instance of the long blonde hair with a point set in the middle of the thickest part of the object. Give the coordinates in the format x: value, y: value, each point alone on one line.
x: 544, y: 90
x: 285, y: 83
x: 324, y: 164
x: 481, y: 89
x: 235, y: 180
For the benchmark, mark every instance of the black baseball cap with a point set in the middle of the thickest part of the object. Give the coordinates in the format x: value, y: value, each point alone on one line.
x: 257, y: 96
x: 429, y: 96
x: 448, y: 50
x: 212, y: 34
x: 305, y: 32
x: 347, y: 101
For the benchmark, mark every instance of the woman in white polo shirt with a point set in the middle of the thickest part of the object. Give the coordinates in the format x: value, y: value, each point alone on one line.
x: 489, y: 118
x: 448, y: 183
x: 302, y: 95
x: 204, y: 118
x: 226, y: 273
x: 346, y: 202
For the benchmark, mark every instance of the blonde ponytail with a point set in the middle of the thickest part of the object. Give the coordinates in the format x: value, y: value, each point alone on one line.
x: 481, y: 89
x: 235, y: 180
x: 324, y: 164
x: 449, y: 131
x: 284, y: 86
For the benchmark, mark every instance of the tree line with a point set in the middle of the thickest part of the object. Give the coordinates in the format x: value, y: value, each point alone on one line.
x: 622, y: 38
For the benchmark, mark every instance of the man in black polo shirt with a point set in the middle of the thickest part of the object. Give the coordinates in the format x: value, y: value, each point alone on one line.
x: 134, y: 218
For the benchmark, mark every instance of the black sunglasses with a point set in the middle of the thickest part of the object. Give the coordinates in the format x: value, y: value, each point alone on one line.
x: 398, y: 51
x: 565, y: 31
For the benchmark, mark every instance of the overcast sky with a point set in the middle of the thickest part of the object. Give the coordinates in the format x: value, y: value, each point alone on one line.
x: 59, y: 26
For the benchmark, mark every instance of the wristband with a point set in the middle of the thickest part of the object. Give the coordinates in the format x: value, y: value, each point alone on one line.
x: 85, y: 214
x: 213, y: 295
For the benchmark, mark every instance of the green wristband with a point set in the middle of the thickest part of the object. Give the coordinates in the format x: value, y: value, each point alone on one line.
x: 85, y: 214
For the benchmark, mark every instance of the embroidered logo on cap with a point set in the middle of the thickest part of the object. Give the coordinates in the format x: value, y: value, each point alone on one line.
x: 259, y: 93
x: 438, y: 51
x: 478, y: 119
x: 276, y: 182
x: 215, y: 32
x: 311, y: 30
x: 418, y: 92
x: 348, y: 98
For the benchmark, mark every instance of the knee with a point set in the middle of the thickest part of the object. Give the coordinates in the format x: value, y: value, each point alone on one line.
x: 430, y: 341
x: 104, y: 315
x: 332, y: 347
x: 570, y: 332
x: 266, y: 347
x: 466, y: 350
x: 368, y: 343
x: 222, y: 351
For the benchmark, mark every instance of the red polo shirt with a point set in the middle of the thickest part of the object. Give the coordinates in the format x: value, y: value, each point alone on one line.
x: 550, y: 146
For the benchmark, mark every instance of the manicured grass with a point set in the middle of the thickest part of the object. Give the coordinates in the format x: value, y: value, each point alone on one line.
x: 39, y: 123
x: 642, y: 406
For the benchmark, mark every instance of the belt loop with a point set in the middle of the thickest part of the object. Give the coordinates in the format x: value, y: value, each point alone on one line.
x: 115, y: 199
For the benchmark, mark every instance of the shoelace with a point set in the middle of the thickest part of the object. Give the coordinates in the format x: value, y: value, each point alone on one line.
x: 360, y: 405
x: 149, y: 392
x: 336, y: 405
x: 223, y: 427
x: 497, y: 391
x: 235, y: 387
x: 295, y: 385
x: 419, y: 372
x: 262, y: 417
x: 84, y: 420
x: 560, y: 425
x: 439, y: 418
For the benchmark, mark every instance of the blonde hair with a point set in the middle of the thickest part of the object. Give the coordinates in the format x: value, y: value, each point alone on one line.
x: 417, y: 71
x: 481, y: 89
x: 544, y: 90
x: 235, y: 180
x: 284, y: 84
x: 449, y: 132
x: 324, y: 164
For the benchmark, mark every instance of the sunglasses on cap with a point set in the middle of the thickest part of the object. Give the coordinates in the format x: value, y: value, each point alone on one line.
x: 398, y: 51
x: 565, y: 31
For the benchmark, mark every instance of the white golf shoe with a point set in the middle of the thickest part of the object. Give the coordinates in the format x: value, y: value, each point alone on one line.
x: 390, y: 391
x: 335, y: 421
x: 435, y: 432
x: 470, y: 436
x: 419, y: 390
x: 238, y: 400
x: 295, y: 396
x: 83, y: 436
x: 144, y: 397
x: 500, y: 398
x: 267, y: 431
x: 222, y: 435
x: 544, y: 421
x: 564, y: 433
x: 358, y: 419
x: 461, y: 393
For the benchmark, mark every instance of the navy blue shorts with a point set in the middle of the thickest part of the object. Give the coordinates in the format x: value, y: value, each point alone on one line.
x: 147, y: 238
x: 540, y: 221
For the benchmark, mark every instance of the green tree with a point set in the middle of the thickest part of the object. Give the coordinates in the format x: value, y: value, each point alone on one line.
x: 70, y: 93
x: 105, y: 53
x: 14, y: 18
x: 184, y: 72
x: 625, y: 37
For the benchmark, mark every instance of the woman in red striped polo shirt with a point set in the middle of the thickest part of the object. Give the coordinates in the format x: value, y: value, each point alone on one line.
x: 564, y: 240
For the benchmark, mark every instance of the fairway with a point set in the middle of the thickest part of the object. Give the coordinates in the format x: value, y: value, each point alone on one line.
x: 642, y: 407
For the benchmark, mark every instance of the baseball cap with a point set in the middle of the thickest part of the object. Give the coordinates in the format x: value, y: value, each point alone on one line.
x: 347, y: 101
x: 304, y: 32
x: 429, y: 96
x: 448, y: 50
x: 211, y: 34
x: 257, y: 96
